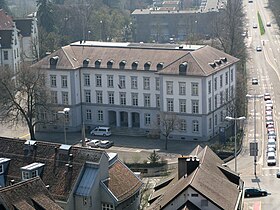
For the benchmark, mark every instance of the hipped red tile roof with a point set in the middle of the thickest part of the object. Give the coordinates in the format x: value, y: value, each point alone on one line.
x: 6, y: 22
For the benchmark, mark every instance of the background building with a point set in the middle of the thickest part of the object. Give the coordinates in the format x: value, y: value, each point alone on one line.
x: 126, y: 85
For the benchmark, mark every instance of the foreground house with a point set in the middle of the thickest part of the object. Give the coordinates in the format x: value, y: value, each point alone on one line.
x: 28, y: 194
x: 130, y: 85
x: 203, y: 181
x: 77, y: 177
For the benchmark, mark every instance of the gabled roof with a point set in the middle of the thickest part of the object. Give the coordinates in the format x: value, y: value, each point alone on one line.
x: 122, y: 182
x: 25, y: 26
x: 198, y: 59
x: 27, y: 195
x: 6, y: 22
x: 208, y: 179
x: 60, y: 177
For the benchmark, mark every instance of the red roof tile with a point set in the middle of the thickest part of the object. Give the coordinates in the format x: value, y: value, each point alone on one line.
x: 6, y: 22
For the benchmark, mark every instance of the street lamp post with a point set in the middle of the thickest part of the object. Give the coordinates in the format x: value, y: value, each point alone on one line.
x: 255, y: 129
x: 235, y: 146
x: 101, y: 30
x: 65, y: 110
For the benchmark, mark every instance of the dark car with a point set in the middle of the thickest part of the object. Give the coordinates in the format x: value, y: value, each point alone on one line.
x: 278, y: 174
x: 255, y: 192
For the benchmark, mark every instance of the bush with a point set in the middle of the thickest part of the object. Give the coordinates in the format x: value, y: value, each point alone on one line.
x: 262, y: 30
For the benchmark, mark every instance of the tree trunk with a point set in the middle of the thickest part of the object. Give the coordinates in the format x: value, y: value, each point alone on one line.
x: 166, y: 138
x: 31, y: 132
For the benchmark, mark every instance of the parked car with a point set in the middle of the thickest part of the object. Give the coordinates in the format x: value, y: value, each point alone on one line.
x: 268, y: 24
x: 106, y: 144
x: 270, y: 122
x: 278, y: 174
x: 271, y: 144
x: 268, y: 113
x: 270, y: 129
x: 267, y: 96
x: 94, y: 143
x: 269, y: 103
x: 270, y: 149
x: 271, y: 159
x: 268, y: 118
x: 268, y: 108
x: 101, y: 131
x: 255, y: 25
x: 254, y: 192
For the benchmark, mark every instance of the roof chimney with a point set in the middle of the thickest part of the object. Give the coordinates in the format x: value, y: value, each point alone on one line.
x: 186, y: 165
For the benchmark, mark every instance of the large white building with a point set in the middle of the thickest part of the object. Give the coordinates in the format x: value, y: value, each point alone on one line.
x: 128, y: 85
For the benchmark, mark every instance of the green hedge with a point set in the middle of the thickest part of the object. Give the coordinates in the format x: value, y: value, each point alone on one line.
x: 262, y: 30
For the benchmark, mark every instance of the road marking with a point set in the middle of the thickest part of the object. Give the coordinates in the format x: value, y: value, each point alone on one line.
x: 24, y: 136
x: 269, y: 168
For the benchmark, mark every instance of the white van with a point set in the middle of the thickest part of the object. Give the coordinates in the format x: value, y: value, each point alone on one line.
x: 101, y: 131
x: 271, y: 161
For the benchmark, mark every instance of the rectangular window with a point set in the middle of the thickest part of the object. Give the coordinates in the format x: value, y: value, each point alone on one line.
x: 210, y: 123
x: 110, y: 81
x: 66, y: 115
x: 146, y: 81
x: 87, y: 96
x: 221, y: 116
x: 183, y: 125
x: 209, y: 104
x: 25, y: 175
x: 147, y: 119
x: 231, y: 75
x: 221, y: 80
x: 169, y: 88
x: 194, y: 89
x: 221, y: 98
x: 134, y: 82
x: 6, y: 55
x: 53, y: 80
x: 195, y: 126
x: 122, y: 99
x: 231, y: 92
x: 98, y: 80
x: 157, y: 84
x: 157, y: 100
x: 1, y: 169
x: 107, y: 206
x: 121, y: 82
x: 65, y: 98
x: 215, y: 83
x: 226, y: 78
x: 99, y: 97
x: 195, y: 106
x: 34, y: 173
x: 100, y: 115
x: 86, y: 80
x: 170, y: 105
x: 111, y: 98
x: 209, y: 86
x: 64, y: 81
x: 216, y: 119
x: 182, y: 88
x: 88, y: 114
x: 216, y: 101
x: 53, y: 97
x: 182, y: 105
x: 226, y: 95
x: 134, y: 97
x: 147, y: 100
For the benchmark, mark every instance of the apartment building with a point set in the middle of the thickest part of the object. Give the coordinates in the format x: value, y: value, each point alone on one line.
x: 129, y: 85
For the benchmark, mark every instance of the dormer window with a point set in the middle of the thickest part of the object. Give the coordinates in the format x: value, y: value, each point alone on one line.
x: 224, y: 59
x: 213, y: 65
x: 183, y: 68
x: 122, y: 64
x: 218, y: 62
x: 31, y: 170
x: 134, y: 65
x: 4, y: 162
x: 85, y: 62
x: 53, y: 62
x: 97, y: 63
x: 159, y: 66
x: 110, y: 64
x: 147, y: 65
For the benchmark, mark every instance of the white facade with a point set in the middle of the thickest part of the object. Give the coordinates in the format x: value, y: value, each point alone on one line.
x: 136, y: 98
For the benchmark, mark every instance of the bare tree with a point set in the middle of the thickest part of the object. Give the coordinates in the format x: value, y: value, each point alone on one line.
x: 168, y: 123
x: 23, y: 97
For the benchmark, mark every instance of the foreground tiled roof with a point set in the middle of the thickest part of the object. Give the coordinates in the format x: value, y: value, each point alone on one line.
x: 72, y: 57
x: 6, y: 22
x: 27, y: 195
x: 208, y: 179
x: 122, y: 182
x: 56, y: 174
